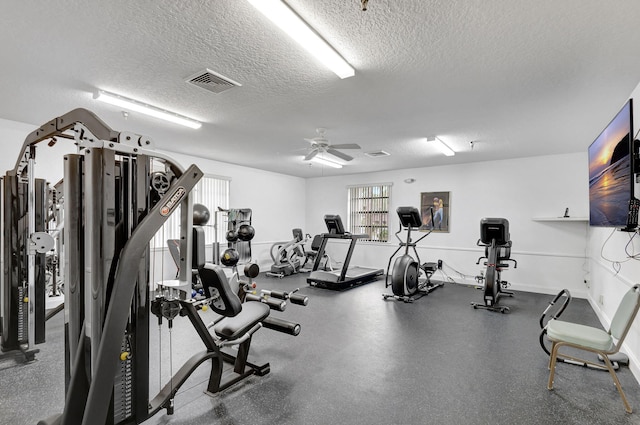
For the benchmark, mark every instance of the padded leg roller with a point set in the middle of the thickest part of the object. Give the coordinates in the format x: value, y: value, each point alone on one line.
x: 281, y: 325
x: 273, y: 304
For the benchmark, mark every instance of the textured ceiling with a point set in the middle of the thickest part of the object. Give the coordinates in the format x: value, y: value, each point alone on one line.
x: 520, y: 78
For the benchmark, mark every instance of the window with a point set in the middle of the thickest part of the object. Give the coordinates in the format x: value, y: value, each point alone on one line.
x: 212, y: 192
x: 368, y: 211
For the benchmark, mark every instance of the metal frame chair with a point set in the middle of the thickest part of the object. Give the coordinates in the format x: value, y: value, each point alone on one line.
x: 595, y: 340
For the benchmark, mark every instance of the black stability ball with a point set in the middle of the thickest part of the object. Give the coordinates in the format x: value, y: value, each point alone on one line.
x: 232, y: 236
x: 246, y: 232
x: 201, y: 215
x: 230, y: 257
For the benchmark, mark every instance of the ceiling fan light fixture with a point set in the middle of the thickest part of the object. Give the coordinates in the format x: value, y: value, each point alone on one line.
x: 442, y: 147
x: 326, y: 162
x: 284, y: 17
x: 143, y: 108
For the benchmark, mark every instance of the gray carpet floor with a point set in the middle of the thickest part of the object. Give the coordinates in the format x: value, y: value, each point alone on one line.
x: 362, y: 360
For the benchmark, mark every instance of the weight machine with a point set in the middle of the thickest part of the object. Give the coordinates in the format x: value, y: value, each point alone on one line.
x: 25, y: 244
x: 244, y: 286
x: 112, y: 211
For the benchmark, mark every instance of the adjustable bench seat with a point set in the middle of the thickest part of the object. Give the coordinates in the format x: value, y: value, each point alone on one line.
x: 234, y: 327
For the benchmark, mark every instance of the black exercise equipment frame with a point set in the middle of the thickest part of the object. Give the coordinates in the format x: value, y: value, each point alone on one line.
x: 111, y: 216
x: 22, y: 322
x: 406, y: 270
x: 497, y: 252
x: 219, y: 378
x: 342, y: 281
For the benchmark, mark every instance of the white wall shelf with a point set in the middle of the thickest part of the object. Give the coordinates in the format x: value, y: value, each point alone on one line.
x: 582, y: 219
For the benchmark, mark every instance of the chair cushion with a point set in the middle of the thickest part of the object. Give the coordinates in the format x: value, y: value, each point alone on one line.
x: 234, y: 327
x: 216, y: 285
x: 586, y: 336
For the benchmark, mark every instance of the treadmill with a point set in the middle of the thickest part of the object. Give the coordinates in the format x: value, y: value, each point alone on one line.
x: 347, y: 276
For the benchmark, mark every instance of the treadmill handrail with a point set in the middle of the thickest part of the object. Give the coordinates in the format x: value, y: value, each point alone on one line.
x: 345, y: 235
x: 345, y: 264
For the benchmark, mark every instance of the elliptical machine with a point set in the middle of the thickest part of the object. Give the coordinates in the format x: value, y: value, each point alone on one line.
x: 494, y: 236
x: 287, y: 256
x: 405, y: 276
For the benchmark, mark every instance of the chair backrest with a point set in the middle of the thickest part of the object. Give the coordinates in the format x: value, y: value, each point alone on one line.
x: 216, y: 284
x: 625, y: 314
x: 197, y: 248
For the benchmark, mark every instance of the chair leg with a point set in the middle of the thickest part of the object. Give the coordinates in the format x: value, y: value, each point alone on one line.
x: 552, y: 364
x: 616, y: 381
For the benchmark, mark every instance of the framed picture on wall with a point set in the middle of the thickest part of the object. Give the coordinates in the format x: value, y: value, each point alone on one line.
x: 441, y: 204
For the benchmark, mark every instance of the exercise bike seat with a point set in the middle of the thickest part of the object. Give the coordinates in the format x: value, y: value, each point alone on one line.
x: 234, y: 327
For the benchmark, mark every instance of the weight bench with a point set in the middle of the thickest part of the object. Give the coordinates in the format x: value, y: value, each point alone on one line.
x: 235, y: 325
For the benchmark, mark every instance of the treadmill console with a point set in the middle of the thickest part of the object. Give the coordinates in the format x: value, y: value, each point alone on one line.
x: 334, y: 224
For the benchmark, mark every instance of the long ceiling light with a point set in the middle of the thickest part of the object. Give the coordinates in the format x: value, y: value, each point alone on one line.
x: 444, y: 149
x: 134, y: 105
x: 288, y: 21
x: 325, y: 162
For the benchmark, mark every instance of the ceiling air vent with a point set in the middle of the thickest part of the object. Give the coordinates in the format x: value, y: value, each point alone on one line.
x: 212, y: 81
x: 376, y: 154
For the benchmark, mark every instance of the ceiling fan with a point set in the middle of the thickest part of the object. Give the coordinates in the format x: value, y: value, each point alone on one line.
x: 320, y: 144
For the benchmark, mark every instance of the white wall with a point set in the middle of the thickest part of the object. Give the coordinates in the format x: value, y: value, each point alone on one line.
x: 609, y: 280
x: 550, y: 255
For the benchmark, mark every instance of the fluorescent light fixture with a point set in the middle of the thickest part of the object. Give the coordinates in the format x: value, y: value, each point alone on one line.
x: 134, y: 105
x: 288, y: 21
x: 325, y: 162
x: 444, y: 149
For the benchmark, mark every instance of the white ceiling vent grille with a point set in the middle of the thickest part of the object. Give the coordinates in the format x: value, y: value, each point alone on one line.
x: 376, y: 154
x: 212, y: 81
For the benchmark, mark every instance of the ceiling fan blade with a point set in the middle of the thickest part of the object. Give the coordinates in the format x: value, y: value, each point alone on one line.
x: 311, y: 154
x: 339, y: 154
x: 346, y: 146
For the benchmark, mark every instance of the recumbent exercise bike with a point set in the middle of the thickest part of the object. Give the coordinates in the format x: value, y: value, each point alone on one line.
x: 494, y: 236
x: 405, y: 276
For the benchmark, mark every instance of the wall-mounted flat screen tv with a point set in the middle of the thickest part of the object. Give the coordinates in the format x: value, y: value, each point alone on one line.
x: 611, y: 171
